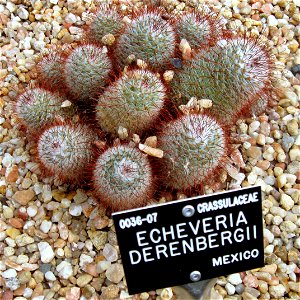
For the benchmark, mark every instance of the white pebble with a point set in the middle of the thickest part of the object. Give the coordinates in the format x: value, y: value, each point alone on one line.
x: 253, y: 127
x: 85, y: 259
x: 230, y: 288
x: 23, y: 13
x: 75, y: 210
x: 7, y: 160
x: 70, y: 18
x: 288, y: 226
x: 246, y: 145
x: 50, y: 276
x: 11, y: 7
x: 10, y: 273
x: 60, y: 252
x: 286, y: 202
x: 268, y: 235
x: 45, y: 226
x: 103, y: 266
x: 277, y: 291
x: 277, y: 220
x: 27, y: 292
x: 38, y: 298
x: 272, y: 21
x: 32, y: 211
x: 234, y: 278
x: 110, y: 253
x: 269, y: 249
x: 46, y: 252
x: 65, y: 203
x: 64, y: 270
x: 294, y: 154
x: 22, y: 259
x: 251, y: 178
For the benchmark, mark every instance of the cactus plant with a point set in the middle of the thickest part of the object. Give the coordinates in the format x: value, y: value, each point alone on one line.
x: 65, y: 151
x: 105, y: 21
x: 50, y: 69
x: 38, y: 108
x: 122, y: 178
x: 148, y: 37
x: 194, y: 147
x: 86, y: 71
x: 198, y: 28
x: 232, y: 74
x: 133, y: 102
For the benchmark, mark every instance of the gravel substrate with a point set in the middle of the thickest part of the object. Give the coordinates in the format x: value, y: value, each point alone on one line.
x: 58, y: 244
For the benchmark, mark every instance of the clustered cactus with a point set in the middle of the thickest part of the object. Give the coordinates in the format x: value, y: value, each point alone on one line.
x: 139, y: 72
x: 123, y: 177
x: 232, y: 73
x: 64, y: 150
x: 134, y: 102
x: 194, y: 146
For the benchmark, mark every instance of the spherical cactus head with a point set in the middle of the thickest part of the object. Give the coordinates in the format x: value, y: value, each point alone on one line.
x: 122, y: 178
x: 134, y: 102
x: 106, y: 20
x: 87, y: 69
x: 50, y: 70
x: 38, y: 108
x: 200, y: 29
x: 148, y: 37
x: 231, y: 74
x: 65, y: 151
x: 194, y: 147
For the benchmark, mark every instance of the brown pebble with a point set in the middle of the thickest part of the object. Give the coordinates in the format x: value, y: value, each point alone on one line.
x: 21, y: 214
x: 110, y: 292
x: 297, y: 186
x: 248, y: 296
x: 252, y: 141
x: 250, y: 280
x: 254, y: 152
x: 73, y: 293
x: 271, y: 269
x: 91, y: 269
x: 263, y: 164
x: 7, y: 125
x: 293, y: 255
x: 16, y: 223
x: 23, y: 197
x: 274, y: 281
x: 13, y: 175
x: 38, y: 290
x: 281, y: 165
x: 7, y: 295
x: 20, y: 291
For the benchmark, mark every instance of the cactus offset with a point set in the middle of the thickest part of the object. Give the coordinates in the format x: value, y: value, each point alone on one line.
x: 50, y: 70
x: 38, y: 108
x: 105, y: 21
x: 133, y: 102
x: 198, y: 28
x: 194, y: 147
x: 148, y: 37
x: 122, y: 178
x: 86, y: 71
x: 66, y: 150
x: 232, y: 74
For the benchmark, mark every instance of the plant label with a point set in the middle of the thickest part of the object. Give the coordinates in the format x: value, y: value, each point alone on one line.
x: 191, y: 240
